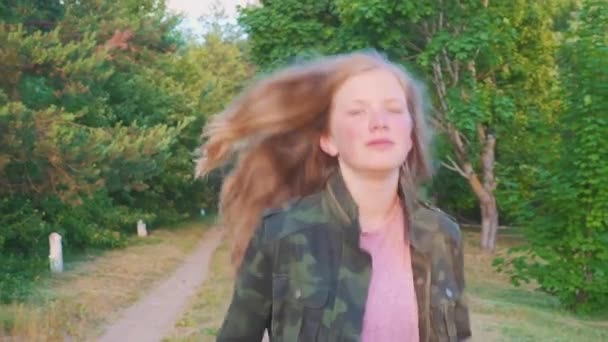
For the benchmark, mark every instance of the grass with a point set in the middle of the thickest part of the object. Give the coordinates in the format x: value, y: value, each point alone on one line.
x: 499, y: 311
x: 95, y: 287
x: 502, y: 312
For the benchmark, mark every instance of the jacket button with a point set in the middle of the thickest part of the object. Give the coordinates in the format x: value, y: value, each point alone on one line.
x: 298, y: 294
x: 448, y: 292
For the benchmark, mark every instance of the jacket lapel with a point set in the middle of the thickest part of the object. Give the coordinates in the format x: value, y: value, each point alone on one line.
x: 342, y: 210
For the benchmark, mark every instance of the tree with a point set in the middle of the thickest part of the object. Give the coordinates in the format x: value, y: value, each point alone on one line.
x: 64, y: 159
x: 109, y: 101
x: 281, y: 30
x: 567, y: 239
x: 490, y: 65
x: 101, y: 108
x: 33, y: 14
x: 56, y: 142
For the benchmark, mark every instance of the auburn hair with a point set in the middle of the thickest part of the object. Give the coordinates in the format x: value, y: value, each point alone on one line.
x: 270, y: 137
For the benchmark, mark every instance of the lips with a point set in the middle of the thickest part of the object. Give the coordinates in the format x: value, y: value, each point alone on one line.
x: 380, y: 143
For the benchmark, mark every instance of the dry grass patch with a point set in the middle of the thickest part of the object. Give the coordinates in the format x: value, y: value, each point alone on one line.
x: 93, y: 290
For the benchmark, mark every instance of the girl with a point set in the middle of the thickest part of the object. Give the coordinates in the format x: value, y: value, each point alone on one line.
x: 331, y: 242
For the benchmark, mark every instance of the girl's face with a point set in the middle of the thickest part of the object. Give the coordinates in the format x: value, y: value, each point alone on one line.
x: 369, y: 125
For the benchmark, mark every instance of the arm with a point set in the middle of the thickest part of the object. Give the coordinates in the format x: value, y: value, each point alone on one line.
x: 249, y: 311
x: 461, y: 311
x: 463, y: 326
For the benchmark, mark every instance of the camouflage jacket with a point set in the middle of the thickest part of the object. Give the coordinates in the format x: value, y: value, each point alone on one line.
x: 305, y: 278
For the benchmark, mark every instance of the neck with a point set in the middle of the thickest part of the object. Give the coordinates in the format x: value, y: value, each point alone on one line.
x: 374, y: 193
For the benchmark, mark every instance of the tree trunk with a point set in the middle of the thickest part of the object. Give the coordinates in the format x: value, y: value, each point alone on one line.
x: 487, y: 202
x: 484, y: 187
x: 489, y: 223
x: 489, y: 213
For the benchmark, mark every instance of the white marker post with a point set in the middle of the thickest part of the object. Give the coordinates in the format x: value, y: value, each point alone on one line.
x: 56, y: 253
x: 141, y: 228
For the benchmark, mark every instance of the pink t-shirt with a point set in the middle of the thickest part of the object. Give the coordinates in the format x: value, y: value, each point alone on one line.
x: 391, y: 311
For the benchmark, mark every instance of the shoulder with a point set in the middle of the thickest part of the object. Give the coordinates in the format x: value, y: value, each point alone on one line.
x: 293, y: 216
x: 439, y: 222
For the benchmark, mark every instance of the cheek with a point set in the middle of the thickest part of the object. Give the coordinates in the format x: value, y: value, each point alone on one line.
x: 352, y: 135
x: 405, y: 127
x: 347, y: 133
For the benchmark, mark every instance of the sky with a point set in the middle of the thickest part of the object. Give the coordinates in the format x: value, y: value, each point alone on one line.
x: 193, y: 9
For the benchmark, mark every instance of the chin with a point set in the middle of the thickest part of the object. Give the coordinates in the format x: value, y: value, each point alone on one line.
x: 376, y: 164
x: 382, y: 166
x: 386, y: 162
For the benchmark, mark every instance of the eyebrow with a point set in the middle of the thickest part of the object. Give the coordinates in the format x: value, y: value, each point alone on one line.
x: 385, y: 101
x: 394, y: 99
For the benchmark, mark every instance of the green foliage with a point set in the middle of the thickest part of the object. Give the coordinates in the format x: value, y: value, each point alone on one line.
x: 37, y: 14
x: 281, y: 30
x: 23, y: 230
x: 18, y: 277
x: 101, y: 109
x: 567, y: 250
x: 495, y: 64
x: 491, y: 68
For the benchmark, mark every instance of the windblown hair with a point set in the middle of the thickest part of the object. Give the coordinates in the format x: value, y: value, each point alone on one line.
x: 271, y: 132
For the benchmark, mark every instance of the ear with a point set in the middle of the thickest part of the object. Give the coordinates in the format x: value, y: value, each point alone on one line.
x: 327, y: 145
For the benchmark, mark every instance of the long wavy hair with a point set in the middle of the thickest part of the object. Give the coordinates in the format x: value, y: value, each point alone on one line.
x: 269, y: 135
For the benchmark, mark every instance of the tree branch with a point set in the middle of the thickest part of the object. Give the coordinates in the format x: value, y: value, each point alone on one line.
x: 455, y: 137
x: 438, y: 124
x: 426, y: 32
x: 481, y: 134
x: 413, y: 46
x: 449, y: 65
x: 464, y: 139
x: 441, y: 15
x: 454, y: 167
x: 439, y: 83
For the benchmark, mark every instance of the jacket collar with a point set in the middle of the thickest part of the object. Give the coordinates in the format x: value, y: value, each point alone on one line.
x: 343, y: 212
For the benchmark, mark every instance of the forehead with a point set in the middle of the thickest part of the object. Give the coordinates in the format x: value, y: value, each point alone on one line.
x: 369, y: 86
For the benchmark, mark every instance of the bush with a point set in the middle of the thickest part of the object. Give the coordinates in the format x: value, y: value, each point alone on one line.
x: 25, y: 226
x: 23, y: 229
x: 18, y: 277
x: 567, y: 249
x: 97, y: 222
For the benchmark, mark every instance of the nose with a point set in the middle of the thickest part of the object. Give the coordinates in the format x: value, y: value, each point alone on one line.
x: 378, y: 120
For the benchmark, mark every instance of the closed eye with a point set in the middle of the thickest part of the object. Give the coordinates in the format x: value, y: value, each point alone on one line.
x: 355, y: 111
x: 395, y: 106
x: 396, y: 109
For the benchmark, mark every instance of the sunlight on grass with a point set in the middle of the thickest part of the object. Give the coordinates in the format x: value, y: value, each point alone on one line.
x: 94, y: 288
x: 502, y: 312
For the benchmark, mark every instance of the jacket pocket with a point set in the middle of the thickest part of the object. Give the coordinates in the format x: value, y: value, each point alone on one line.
x: 297, y: 309
x: 313, y: 303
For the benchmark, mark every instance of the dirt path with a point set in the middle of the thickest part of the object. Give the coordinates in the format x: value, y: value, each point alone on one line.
x: 153, y: 316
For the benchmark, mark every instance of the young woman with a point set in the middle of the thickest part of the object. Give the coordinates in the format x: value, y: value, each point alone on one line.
x: 331, y: 242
